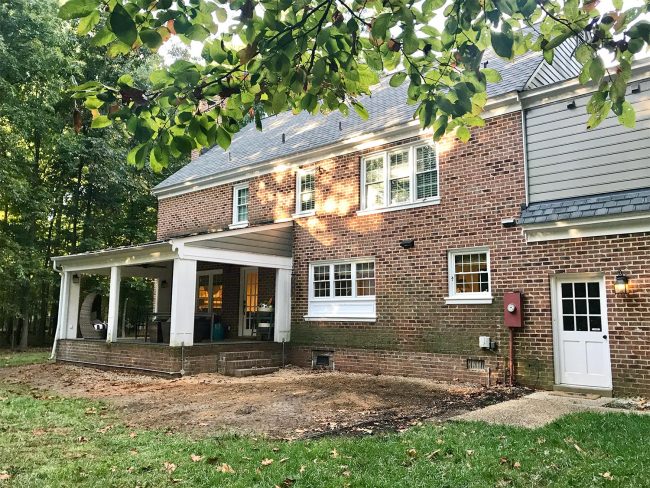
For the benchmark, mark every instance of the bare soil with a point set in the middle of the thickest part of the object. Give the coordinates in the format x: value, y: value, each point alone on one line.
x: 292, y: 403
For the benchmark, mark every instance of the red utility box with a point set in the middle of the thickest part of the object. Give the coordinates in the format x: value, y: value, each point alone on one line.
x: 513, y: 313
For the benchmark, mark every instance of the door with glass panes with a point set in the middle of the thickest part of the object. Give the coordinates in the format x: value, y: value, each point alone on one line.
x: 249, y: 288
x: 582, y: 340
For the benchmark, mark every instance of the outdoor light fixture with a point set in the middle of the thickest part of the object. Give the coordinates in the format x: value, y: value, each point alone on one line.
x: 163, y: 284
x: 572, y: 105
x: 75, y: 278
x: 407, y: 243
x: 621, y: 284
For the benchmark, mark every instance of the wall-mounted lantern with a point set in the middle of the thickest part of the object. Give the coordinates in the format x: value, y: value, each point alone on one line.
x: 407, y: 243
x: 75, y: 278
x: 621, y: 285
x: 164, y: 284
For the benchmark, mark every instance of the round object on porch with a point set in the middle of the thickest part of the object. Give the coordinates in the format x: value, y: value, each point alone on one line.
x: 88, y: 315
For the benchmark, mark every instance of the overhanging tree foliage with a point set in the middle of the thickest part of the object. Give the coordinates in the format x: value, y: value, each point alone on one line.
x: 322, y: 55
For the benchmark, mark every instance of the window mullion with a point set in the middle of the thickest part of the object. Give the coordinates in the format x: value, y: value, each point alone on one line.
x: 353, y: 275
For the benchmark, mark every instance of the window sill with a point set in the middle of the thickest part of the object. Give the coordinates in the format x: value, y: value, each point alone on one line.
x: 298, y: 215
x: 468, y: 300
x: 393, y: 208
x: 340, y: 319
x: 239, y: 225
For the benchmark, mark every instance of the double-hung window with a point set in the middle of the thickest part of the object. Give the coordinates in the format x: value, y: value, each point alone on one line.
x: 400, y: 178
x: 342, y: 290
x: 306, y: 192
x: 240, y: 204
x: 469, y: 276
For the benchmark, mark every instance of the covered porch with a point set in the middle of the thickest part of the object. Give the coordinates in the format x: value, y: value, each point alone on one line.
x: 228, y: 286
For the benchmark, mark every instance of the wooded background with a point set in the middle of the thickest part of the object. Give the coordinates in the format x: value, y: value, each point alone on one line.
x: 64, y: 188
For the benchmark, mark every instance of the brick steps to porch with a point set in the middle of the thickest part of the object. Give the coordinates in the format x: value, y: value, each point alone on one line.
x: 246, y: 363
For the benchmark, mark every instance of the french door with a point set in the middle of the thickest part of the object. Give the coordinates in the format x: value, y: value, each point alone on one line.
x: 249, y: 293
x: 582, y: 338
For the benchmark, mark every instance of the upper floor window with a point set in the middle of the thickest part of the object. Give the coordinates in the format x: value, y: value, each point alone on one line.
x: 306, y: 191
x: 240, y: 204
x: 399, y: 177
x: 469, y: 276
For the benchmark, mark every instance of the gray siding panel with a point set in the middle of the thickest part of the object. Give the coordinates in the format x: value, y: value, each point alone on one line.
x: 565, y: 159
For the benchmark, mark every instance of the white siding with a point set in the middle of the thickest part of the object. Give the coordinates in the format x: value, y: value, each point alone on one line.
x: 567, y: 160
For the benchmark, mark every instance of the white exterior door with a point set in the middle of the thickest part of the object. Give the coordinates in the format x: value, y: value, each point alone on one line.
x: 581, y: 335
x: 249, y: 290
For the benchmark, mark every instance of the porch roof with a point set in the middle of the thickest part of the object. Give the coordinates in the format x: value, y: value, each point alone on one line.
x: 267, y: 245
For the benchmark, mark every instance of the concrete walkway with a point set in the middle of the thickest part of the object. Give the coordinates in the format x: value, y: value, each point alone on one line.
x: 540, y: 408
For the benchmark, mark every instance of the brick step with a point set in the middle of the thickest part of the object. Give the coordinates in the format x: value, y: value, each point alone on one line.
x: 242, y: 372
x: 246, y: 363
x: 237, y: 355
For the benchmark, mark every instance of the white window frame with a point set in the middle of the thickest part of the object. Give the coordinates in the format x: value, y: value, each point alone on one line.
x: 236, y: 223
x: 299, y: 175
x: 348, y: 308
x: 467, y: 298
x: 211, y: 273
x: 413, y: 201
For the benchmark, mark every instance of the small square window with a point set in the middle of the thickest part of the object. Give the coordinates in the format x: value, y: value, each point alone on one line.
x: 469, y: 276
x: 240, y: 204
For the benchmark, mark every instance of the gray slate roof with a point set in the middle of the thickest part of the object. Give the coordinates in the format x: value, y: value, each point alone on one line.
x: 387, y: 108
x: 583, y: 207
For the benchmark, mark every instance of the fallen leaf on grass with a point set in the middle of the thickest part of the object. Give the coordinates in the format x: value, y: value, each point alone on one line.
x: 4, y: 475
x: 412, y: 453
x: 196, y: 458
x: 334, y: 453
x: 133, y: 452
x: 503, y: 460
x: 267, y: 461
x: 90, y: 411
x: 433, y: 454
x: 82, y: 439
x: 283, y: 460
x: 132, y: 435
x: 226, y: 468
x: 470, y: 452
x: 516, y: 465
x: 346, y: 473
x: 607, y: 475
x: 169, y: 467
x: 302, y: 469
x: 578, y: 448
x: 103, y: 430
x: 39, y: 432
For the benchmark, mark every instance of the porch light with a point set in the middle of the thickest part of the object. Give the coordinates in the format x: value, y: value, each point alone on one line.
x: 163, y: 284
x: 621, y: 284
x: 75, y: 278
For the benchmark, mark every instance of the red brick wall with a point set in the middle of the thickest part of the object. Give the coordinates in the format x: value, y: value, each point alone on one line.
x: 481, y: 183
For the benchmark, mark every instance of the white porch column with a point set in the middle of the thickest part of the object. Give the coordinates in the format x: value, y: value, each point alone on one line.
x: 183, y: 298
x: 72, y: 313
x: 114, y: 304
x: 61, y: 326
x: 282, y: 305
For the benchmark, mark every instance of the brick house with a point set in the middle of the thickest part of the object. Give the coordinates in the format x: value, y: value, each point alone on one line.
x: 365, y: 247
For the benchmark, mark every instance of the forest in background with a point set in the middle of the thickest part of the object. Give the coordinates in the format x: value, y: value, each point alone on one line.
x: 64, y: 187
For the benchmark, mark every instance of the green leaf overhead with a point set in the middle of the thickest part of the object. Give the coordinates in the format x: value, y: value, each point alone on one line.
x: 73, y: 9
x: 268, y: 56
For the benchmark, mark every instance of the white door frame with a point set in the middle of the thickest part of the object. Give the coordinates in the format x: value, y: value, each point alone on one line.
x: 555, y: 282
x: 242, y: 294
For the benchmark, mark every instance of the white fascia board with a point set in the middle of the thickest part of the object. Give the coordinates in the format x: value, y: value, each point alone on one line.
x: 572, y: 88
x: 241, y: 258
x: 181, y: 241
x: 495, y: 107
x: 130, y: 256
x: 592, y: 227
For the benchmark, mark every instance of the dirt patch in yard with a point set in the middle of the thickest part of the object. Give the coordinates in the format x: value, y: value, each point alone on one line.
x: 292, y: 403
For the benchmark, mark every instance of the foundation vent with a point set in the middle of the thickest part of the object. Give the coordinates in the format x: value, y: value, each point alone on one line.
x: 475, y: 364
x: 322, y: 360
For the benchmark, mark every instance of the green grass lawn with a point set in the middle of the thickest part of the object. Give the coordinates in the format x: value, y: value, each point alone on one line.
x: 52, y: 441
x: 15, y: 358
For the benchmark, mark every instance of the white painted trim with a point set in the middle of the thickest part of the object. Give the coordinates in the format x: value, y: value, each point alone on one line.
x: 126, y: 256
x: 406, y: 206
x: 241, y: 258
x: 311, y: 213
x: 498, y: 106
x: 282, y: 331
x: 236, y: 223
x: 467, y: 298
x: 181, y: 329
x: 239, y: 225
x: 340, y: 319
x: 181, y: 241
x: 591, y: 227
